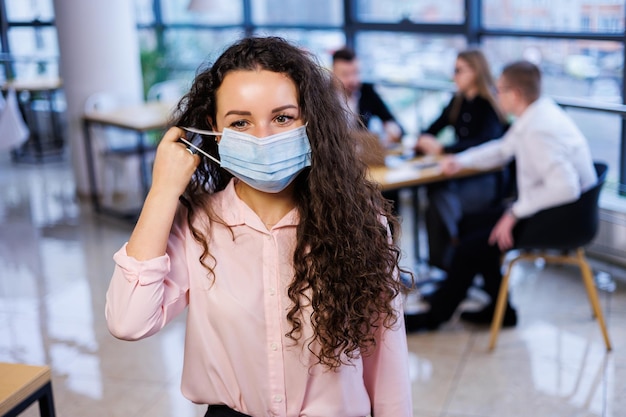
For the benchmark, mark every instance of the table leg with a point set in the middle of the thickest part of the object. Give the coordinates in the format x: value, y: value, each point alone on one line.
x: 91, y: 170
x: 46, y: 402
x: 145, y: 174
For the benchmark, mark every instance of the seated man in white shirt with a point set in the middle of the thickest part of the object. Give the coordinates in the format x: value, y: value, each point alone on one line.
x: 553, y: 167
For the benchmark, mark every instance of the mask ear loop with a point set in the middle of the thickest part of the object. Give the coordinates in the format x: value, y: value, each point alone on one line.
x: 200, y: 132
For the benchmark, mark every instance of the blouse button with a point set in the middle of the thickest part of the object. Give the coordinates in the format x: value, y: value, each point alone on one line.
x: 466, y: 117
x: 278, y: 399
x: 272, y: 291
x: 274, y: 346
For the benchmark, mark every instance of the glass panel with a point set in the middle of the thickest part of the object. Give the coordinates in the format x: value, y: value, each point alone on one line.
x: 574, y: 68
x: 187, y: 50
x: 29, y: 10
x: 602, y: 131
x: 543, y: 15
x: 321, y: 42
x: 415, y: 108
x: 404, y: 57
x: 144, y: 12
x: 213, y: 11
x: 424, y: 11
x: 297, y: 12
x: 590, y: 70
x: 35, y: 51
x: 410, y: 59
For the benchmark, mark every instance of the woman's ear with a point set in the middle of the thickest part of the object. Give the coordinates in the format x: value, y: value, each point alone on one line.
x: 214, y: 128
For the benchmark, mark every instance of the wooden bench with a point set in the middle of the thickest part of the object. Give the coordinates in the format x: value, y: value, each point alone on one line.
x: 21, y: 385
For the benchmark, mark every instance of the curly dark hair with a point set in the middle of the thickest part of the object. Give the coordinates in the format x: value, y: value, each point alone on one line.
x: 344, y: 259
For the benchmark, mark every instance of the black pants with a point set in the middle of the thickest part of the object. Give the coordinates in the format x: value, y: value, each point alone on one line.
x: 223, y: 411
x: 473, y: 255
x: 448, y: 204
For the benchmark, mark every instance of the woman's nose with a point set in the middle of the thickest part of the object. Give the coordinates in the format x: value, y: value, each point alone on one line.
x: 261, y: 131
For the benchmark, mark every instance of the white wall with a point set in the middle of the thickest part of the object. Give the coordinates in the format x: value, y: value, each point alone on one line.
x: 99, y: 51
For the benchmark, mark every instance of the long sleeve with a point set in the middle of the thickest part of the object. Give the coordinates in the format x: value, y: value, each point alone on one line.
x: 489, y: 155
x: 371, y: 104
x: 556, y: 180
x: 441, y: 122
x: 552, y: 158
x: 478, y: 123
x: 143, y: 296
x: 385, y: 372
x: 236, y: 349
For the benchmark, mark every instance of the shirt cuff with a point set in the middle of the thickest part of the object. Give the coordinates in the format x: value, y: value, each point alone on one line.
x: 464, y: 159
x: 146, y: 272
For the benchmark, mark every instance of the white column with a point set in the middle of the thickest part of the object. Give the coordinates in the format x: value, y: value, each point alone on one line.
x: 99, y: 51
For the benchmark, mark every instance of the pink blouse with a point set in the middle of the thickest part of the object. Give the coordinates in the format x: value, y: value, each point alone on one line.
x: 236, y: 352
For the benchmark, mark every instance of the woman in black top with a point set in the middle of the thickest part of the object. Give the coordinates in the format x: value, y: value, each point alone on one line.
x: 476, y: 118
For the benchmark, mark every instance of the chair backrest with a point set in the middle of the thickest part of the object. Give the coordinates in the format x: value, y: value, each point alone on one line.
x: 564, y: 227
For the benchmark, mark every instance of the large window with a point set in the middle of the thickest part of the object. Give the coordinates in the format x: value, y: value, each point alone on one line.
x: 221, y: 13
x: 407, y: 48
x: 297, y: 12
x: 590, y: 16
x: 426, y: 11
x: 29, y: 45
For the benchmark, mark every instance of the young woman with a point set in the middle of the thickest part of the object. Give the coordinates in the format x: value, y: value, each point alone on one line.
x: 473, y: 111
x: 280, y: 251
x: 476, y: 117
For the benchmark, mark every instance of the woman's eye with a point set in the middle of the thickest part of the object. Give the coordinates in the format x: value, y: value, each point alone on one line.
x: 239, y: 124
x: 283, y: 118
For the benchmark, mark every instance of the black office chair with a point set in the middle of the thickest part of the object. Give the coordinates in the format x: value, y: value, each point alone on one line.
x: 565, y: 229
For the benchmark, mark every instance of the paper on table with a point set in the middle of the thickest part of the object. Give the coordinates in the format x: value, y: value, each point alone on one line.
x: 412, y: 169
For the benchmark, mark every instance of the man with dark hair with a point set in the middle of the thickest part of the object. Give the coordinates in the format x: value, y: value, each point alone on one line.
x: 362, y: 98
x: 553, y: 167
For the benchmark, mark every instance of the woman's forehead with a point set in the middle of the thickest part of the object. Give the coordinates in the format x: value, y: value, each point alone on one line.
x: 257, y: 88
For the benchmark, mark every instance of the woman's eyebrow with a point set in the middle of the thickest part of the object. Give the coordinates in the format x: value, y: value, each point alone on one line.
x: 285, y: 107
x: 247, y: 113
x: 238, y: 113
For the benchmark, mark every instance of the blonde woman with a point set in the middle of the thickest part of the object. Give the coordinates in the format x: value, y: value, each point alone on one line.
x: 474, y: 114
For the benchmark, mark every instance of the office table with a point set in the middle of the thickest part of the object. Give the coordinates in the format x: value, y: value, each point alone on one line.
x: 412, y: 174
x: 416, y: 172
x: 141, y: 119
x: 21, y: 385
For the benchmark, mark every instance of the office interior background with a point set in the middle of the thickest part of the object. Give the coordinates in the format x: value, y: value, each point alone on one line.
x: 406, y: 47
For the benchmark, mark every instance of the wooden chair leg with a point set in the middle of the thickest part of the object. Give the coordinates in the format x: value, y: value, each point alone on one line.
x: 592, y: 293
x: 498, y: 315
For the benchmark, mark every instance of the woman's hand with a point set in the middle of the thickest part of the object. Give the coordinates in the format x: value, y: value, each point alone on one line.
x: 173, y: 168
x: 429, y: 145
x: 173, y: 165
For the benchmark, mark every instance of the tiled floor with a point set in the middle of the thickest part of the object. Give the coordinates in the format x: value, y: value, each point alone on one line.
x: 55, y: 263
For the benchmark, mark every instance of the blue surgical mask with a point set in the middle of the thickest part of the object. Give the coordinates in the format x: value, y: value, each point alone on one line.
x: 267, y: 164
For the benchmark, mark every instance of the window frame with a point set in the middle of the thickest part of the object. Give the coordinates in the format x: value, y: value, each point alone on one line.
x: 472, y: 28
